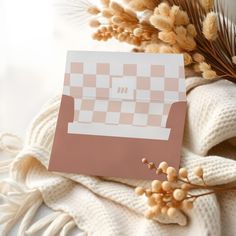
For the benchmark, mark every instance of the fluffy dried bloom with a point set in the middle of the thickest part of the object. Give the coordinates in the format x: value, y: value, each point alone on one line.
x: 166, y: 49
x: 153, y: 48
x: 187, y: 59
x: 167, y: 37
x: 192, y: 30
x: 203, y: 66
x: 163, y: 9
x: 137, y: 5
x: 187, y: 43
x: 181, y: 18
x: 162, y: 23
x: 210, y: 26
x: 207, y: 4
x: 209, y: 74
x: 197, y: 57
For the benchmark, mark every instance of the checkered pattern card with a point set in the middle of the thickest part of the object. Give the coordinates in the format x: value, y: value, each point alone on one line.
x: 117, y: 108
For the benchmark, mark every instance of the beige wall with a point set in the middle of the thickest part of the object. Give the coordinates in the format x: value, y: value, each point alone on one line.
x: 232, y: 8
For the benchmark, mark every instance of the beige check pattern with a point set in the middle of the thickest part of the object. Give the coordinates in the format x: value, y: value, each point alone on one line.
x: 91, y: 84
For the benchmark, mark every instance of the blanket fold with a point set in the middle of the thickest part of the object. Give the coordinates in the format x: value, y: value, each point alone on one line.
x: 108, y: 206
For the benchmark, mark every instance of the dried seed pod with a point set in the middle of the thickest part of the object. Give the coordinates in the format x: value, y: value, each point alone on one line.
x: 162, y: 23
x: 166, y: 186
x: 183, y: 173
x: 167, y: 37
x: 139, y: 191
x: 171, y: 212
x: 156, y: 185
x: 198, y: 171
x: 179, y: 194
x: 163, y: 165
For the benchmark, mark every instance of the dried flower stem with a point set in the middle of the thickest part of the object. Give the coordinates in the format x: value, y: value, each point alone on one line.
x: 169, y: 197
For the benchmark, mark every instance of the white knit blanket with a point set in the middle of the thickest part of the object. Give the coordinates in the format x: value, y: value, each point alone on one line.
x: 108, y: 206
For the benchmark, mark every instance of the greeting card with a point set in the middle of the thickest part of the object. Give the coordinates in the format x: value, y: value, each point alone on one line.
x: 116, y: 109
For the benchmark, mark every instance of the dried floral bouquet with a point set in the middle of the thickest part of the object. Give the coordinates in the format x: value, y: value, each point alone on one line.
x: 177, y: 192
x: 199, y: 29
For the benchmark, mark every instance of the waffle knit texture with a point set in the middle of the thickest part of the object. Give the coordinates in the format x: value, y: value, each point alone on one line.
x: 108, y: 206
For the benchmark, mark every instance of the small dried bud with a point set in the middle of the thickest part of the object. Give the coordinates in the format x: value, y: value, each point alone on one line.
x: 139, y: 191
x: 198, y: 171
x: 151, y: 165
x: 164, y: 210
x: 171, y: 171
x: 183, y: 173
x: 179, y: 194
x: 156, y: 185
x: 210, y: 26
x: 144, y: 161
x: 166, y: 186
x: 93, y: 10
x: 163, y: 165
x: 171, y: 212
x: 171, y: 178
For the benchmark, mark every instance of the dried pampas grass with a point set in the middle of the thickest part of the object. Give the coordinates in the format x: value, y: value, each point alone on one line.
x: 201, y: 30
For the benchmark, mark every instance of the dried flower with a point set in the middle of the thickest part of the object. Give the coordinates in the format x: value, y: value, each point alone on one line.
x: 210, y: 26
x: 172, y: 27
x: 207, y: 4
x: 170, y: 198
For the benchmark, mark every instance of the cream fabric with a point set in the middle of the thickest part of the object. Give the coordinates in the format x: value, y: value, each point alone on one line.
x: 108, y: 206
